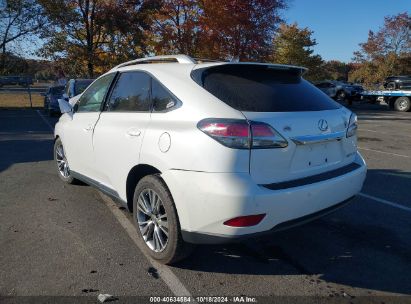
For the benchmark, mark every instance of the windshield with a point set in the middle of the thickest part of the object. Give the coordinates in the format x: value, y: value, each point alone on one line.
x: 262, y: 88
x: 81, y: 85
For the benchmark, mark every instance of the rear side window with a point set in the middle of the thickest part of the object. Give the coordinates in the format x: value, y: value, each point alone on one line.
x: 163, y: 100
x: 262, y: 88
x: 131, y: 93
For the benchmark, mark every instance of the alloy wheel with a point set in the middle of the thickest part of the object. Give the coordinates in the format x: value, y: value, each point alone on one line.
x: 152, y: 220
x: 62, y: 163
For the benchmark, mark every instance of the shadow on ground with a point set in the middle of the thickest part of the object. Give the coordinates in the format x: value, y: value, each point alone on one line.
x: 24, y: 137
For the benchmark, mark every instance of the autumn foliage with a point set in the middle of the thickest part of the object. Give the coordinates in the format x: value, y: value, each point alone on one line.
x: 386, y: 52
x: 85, y: 38
x: 97, y: 34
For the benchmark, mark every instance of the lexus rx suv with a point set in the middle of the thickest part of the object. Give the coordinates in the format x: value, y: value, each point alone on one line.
x: 205, y: 153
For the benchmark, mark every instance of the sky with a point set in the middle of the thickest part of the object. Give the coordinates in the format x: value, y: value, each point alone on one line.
x: 340, y: 25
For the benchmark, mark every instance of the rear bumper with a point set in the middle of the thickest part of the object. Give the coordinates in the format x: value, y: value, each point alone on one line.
x: 205, y: 201
x: 203, y: 238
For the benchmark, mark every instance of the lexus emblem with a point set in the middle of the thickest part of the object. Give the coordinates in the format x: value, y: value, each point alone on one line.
x: 322, y: 125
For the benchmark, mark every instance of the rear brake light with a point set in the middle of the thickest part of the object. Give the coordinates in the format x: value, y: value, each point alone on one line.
x: 245, y: 221
x: 242, y: 134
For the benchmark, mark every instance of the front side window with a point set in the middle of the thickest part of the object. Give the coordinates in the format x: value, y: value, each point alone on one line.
x: 162, y: 98
x: 131, y: 93
x: 92, y: 98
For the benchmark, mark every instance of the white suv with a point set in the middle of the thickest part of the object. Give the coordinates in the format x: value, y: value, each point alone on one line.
x: 210, y: 152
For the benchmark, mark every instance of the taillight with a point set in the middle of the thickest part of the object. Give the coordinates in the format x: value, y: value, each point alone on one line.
x: 230, y: 133
x: 242, y: 134
x: 264, y: 136
x: 352, y: 125
x: 245, y: 221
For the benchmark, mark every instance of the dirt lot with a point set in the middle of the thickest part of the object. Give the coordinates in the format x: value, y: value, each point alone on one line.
x: 20, y: 100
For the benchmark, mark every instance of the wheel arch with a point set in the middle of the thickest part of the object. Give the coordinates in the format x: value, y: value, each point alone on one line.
x: 134, y: 176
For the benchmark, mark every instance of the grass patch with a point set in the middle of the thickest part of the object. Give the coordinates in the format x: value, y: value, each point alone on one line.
x: 20, y: 100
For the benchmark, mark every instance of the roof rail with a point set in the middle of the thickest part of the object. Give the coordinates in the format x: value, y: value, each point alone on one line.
x: 204, y: 60
x: 158, y: 59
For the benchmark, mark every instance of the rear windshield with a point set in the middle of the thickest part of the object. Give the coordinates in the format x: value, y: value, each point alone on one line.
x: 262, y: 88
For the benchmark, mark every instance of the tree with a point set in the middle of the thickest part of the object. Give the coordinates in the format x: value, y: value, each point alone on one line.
x: 293, y: 45
x: 386, y: 52
x: 336, y: 70
x: 18, y: 19
x: 239, y: 29
x: 75, y: 31
x: 176, y: 28
x: 128, y: 24
x: 91, y: 33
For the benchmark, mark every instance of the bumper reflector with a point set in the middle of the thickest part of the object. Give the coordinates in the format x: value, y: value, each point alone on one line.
x: 245, y: 221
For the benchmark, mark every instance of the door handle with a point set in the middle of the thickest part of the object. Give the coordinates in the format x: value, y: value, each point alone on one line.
x: 88, y: 128
x: 133, y: 132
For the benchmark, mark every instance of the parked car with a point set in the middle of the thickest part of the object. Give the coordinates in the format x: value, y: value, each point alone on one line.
x: 340, y: 90
x: 51, y: 105
x: 349, y: 90
x: 210, y: 153
x: 398, y: 83
x: 75, y: 87
x: 328, y: 88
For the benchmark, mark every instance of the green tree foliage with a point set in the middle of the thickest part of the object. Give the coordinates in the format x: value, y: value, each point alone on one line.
x: 293, y: 45
x: 386, y: 52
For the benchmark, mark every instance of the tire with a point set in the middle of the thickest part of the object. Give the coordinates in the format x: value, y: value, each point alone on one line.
x: 402, y: 104
x: 160, y: 226
x: 60, y: 159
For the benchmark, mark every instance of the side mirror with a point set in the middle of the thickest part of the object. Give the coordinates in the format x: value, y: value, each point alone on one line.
x: 65, y: 107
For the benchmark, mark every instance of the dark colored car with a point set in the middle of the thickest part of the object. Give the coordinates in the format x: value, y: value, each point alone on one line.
x: 340, y: 90
x: 350, y: 90
x: 51, y: 105
x: 398, y: 83
x: 76, y: 86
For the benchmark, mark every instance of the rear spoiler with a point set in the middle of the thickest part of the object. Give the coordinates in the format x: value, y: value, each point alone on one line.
x: 199, y: 72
